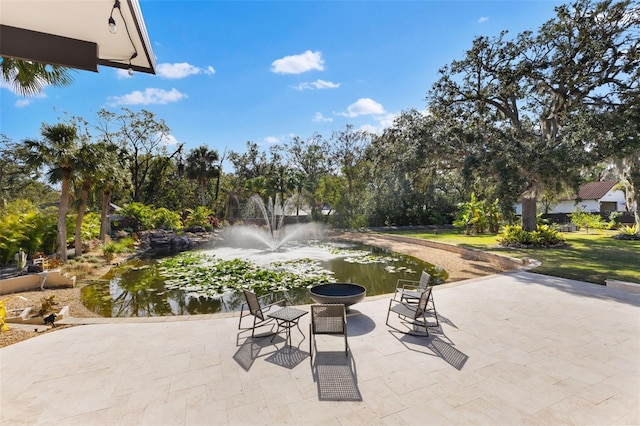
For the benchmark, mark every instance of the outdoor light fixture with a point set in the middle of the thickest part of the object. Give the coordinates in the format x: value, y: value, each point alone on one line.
x: 112, y: 22
x: 130, y: 70
x: 112, y: 25
x: 113, y: 29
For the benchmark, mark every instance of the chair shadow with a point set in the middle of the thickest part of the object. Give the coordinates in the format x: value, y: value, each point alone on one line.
x: 435, y: 344
x: 251, y: 347
x: 287, y: 356
x: 446, y: 320
x: 336, y: 377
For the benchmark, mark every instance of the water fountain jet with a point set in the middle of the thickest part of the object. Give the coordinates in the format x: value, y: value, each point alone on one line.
x: 267, y: 226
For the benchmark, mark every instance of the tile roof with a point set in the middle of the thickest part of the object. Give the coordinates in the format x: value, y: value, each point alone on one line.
x: 595, y: 190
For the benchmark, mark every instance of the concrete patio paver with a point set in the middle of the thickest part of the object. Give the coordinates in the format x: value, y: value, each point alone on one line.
x: 513, y: 348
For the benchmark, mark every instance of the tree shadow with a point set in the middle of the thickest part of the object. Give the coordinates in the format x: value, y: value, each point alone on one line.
x: 577, y: 288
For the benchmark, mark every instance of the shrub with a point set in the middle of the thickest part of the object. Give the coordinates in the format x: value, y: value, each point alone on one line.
x: 515, y: 236
x: 90, y: 228
x: 546, y: 236
x: 127, y: 244
x: 464, y: 220
x: 359, y: 222
x: 477, y: 216
x: 582, y: 219
x: 214, y: 222
x: 27, y: 227
x: 614, y: 219
x: 109, y: 250
x: 49, y: 229
x: 542, y: 221
x: 137, y: 216
x: 124, y: 245
x: 471, y: 215
x: 166, y: 219
x: 46, y: 305
x: 198, y: 217
x: 628, y: 233
x: 80, y: 269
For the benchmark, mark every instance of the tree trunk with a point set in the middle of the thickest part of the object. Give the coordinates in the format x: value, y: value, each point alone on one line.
x: 529, y: 213
x: 633, y: 200
x: 84, y: 194
x: 328, y: 215
x: 636, y: 212
x: 229, y: 212
x: 629, y: 174
x: 215, y: 197
x: 202, y: 193
x: 62, y: 217
x: 105, y: 224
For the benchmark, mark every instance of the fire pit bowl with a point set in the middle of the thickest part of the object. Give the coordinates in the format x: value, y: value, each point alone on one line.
x: 345, y: 293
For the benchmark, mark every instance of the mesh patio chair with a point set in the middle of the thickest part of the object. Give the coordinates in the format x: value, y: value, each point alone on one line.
x: 413, y: 315
x: 327, y: 318
x: 410, y: 290
x: 258, y: 309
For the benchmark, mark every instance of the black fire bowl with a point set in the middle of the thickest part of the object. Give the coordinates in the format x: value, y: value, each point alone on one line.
x: 345, y: 293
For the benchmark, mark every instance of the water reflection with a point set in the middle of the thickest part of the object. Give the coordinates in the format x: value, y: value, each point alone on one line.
x: 137, y: 289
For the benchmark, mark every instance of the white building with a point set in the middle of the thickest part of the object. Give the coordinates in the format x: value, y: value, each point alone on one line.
x: 593, y: 197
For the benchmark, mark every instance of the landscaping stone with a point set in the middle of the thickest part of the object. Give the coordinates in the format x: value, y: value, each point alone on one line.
x: 161, y: 241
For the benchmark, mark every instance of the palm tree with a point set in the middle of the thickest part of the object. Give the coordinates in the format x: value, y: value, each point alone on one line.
x: 90, y: 164
x: 30, y: 78
x: 58, y: 151
x: 201, y: 166
x: 109, y: 175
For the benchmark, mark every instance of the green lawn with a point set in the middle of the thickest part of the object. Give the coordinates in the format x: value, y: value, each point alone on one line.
x: 591, y: 257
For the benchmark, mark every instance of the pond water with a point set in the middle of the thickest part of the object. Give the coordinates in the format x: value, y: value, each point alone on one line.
x: 141, y: 287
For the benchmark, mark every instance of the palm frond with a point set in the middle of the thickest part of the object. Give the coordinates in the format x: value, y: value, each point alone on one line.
x: 28, y: 78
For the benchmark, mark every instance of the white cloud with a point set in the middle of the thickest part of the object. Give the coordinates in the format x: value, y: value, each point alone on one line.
x: 181, y: 70
x: 297, y: 64
x: 318, y: 84
x: 387, y: 120
x: 168, y: 140
x: 120, y: 74
x: 383, y: 122
x: 4, y: 84
x: 363, y: 106
x: 150, y: 96
x: 271, y: 139
x: 483, y: 19
x: 21, y: 103
x: 370, y: 128
x: 320, y: 118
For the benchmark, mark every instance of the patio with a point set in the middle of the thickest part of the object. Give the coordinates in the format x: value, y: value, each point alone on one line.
x: 513, y: 348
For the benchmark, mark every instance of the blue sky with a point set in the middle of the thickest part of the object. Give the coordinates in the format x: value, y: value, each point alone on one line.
x: 230, y: 72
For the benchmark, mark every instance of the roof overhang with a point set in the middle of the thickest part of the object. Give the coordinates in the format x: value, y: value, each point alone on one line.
x: 75, y: 33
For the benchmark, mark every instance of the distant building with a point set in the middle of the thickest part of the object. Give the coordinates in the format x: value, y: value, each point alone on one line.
x: 593, y: 197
